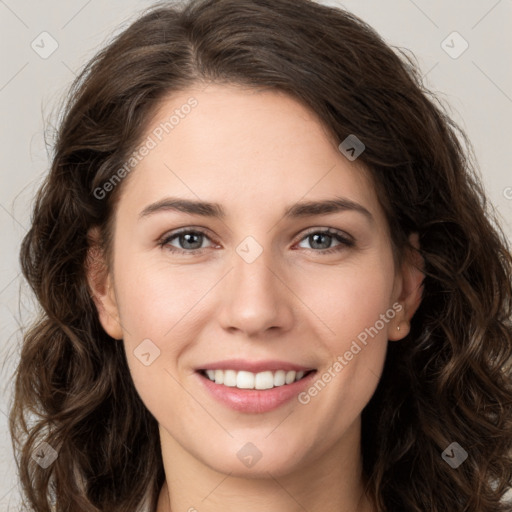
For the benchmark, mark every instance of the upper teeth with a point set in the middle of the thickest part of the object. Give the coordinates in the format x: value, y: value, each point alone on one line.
x: 249, y: 380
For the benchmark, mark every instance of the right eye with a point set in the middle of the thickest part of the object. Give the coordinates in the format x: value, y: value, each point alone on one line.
x: 189, y: 239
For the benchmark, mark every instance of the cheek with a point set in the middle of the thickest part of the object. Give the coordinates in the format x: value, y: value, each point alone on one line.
x: 167, y: 306
x: 350, y: 299
x: 156, y: 299
x: 352, y: 305
x: 159, y: 310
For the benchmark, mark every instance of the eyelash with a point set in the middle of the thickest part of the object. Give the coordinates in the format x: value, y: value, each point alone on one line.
x: 344, y: 241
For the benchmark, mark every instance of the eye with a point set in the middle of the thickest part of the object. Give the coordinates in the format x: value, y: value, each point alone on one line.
x: 191, y: 241
x: 323, y: 238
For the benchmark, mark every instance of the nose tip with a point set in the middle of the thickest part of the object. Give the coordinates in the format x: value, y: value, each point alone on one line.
x: 254, y: 296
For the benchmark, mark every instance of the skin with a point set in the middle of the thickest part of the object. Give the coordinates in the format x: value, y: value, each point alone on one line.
x: 254, y: 153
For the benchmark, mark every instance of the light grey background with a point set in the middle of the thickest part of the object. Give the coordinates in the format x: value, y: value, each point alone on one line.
x: 477, y: 85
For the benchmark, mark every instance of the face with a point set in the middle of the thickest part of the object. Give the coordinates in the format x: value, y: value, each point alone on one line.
x: 253, y: 289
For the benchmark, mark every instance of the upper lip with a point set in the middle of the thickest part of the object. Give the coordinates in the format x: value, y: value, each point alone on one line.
x: 254, y: 366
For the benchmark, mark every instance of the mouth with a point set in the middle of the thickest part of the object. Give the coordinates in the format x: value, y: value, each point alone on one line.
x: 242, y: 379
x: 249, y: 392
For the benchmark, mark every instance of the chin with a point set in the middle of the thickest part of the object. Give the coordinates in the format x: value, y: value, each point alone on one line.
x: 253, y: 460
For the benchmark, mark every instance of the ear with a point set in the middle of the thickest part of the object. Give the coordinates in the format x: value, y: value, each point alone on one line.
x: 411, y: 277
x: 101, y: 286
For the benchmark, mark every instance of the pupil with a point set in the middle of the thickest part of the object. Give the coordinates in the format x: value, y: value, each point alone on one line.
x: 187, y: 237
x: 315, y: 238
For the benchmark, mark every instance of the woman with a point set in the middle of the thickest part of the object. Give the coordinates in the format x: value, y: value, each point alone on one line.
x: 255, y: 369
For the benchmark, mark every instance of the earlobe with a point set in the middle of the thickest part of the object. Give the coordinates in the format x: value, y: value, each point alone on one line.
x: 101, y: 287
x: 412, y: 274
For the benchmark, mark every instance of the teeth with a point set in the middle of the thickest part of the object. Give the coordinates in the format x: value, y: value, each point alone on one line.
x: 249, y: 380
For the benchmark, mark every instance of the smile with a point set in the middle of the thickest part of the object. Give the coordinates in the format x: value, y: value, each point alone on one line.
x: 250, y: 392
x: 249, y: 380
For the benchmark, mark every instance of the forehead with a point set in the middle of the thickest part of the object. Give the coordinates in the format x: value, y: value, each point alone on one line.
x: 253, y: 149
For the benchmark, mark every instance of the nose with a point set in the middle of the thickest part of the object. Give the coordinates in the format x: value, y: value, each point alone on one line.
x: 256, y: 297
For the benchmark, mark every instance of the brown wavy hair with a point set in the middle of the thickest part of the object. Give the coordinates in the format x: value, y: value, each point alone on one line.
x: 449, y: 380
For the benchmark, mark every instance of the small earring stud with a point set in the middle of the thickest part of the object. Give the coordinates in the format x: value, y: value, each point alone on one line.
x: 397, y: 327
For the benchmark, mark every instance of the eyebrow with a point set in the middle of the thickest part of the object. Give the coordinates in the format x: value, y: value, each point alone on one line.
x: 215, y: 210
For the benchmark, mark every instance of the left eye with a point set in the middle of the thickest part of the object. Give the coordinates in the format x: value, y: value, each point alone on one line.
x: 191, y: 241
x: 317, y: 236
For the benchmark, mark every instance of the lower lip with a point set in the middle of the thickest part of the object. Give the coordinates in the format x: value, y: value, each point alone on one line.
x: 255, y: 400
